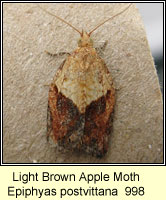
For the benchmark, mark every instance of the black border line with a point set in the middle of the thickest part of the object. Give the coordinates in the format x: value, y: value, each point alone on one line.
x: 82, y: 164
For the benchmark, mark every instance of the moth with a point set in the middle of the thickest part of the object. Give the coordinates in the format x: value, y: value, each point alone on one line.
x: 81, y: 98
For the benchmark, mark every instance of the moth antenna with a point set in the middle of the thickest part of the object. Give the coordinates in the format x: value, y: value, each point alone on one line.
x: 109, y: 19
x: 60, y: 19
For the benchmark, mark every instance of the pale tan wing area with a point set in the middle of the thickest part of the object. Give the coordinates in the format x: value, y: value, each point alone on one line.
x: 84, y: 78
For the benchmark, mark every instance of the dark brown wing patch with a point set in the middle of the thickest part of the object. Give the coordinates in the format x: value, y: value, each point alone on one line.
x: 98, y: 124
x: 67, y: 122
x: 73, y: 130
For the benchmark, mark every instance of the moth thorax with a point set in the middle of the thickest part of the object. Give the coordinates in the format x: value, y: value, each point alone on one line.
x: 85, y: 40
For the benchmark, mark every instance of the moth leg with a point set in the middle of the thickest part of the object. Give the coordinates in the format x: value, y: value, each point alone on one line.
x: 46, y: 85
x: 57, y: 54
x: 49, y: 123
x: 119, y: 88
x: 101, y: 48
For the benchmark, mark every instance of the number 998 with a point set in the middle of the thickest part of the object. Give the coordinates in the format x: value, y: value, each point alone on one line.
x: 134, y: 191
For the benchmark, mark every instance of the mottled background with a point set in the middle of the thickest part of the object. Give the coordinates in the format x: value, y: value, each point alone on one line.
x: 137, y: 135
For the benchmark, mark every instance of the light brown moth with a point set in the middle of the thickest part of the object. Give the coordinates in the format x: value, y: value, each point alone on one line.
x: 81, y: 98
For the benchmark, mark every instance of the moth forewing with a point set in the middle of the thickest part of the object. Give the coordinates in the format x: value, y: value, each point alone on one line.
x: 81, y: 98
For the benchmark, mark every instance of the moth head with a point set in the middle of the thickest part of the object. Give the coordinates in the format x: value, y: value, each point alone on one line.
x: 85, y: 40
